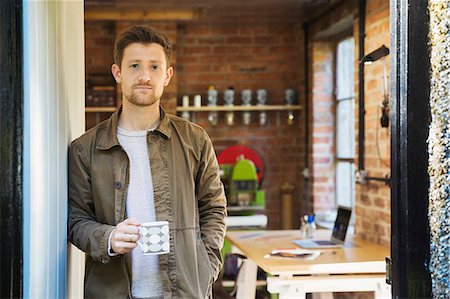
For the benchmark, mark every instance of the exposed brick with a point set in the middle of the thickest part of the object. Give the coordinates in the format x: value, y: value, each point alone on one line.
x: 268, y: 39
x: 380, y: 202
x: 197, y: 50
x: 205, y: 40
x: 242, y: 40
x: 223, y: 31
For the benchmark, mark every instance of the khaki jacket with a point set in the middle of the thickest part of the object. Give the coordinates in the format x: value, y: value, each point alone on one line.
x: 187, y: 192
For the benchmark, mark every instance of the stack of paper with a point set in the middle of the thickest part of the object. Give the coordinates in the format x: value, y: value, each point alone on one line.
x: 296, y: 253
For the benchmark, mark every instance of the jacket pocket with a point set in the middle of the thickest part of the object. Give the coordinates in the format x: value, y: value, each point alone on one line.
x: 204, y: 269
x: 105, y: 280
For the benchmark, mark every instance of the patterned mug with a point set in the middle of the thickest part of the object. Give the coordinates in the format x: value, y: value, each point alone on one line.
x: 154, y: 238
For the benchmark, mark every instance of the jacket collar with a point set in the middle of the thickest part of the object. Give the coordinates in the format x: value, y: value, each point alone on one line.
x: 164, y: 126
x: 108, y: 138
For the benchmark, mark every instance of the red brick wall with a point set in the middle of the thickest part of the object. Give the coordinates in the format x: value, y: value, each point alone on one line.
x: 373, y: 199
x: 99, y: 46
x: 322, y: 128
x: 242, y: 56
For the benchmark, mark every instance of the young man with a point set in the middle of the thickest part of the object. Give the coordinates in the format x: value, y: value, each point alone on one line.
x: 143, y: 165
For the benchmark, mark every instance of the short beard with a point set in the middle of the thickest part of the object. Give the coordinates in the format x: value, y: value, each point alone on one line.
x: 135, y: 100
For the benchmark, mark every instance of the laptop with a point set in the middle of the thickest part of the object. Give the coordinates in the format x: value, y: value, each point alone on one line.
x: 338, y: 235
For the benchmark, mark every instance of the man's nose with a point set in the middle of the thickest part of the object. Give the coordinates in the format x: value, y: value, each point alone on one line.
x: 145, y: 75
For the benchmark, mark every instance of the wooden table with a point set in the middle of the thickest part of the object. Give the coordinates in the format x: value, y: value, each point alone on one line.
x: 358, y: 266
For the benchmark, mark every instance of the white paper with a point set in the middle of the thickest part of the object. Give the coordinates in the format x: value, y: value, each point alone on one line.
x: 297, y: 253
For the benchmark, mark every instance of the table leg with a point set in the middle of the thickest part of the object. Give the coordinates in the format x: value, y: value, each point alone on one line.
x: 246, y: 283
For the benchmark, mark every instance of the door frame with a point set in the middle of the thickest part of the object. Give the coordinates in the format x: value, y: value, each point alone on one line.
x: 410, y: 119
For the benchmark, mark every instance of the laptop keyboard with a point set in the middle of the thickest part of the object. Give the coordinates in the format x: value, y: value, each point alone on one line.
x: 325, y: 242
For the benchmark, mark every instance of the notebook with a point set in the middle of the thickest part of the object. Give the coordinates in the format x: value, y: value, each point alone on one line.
x: 338, y: 235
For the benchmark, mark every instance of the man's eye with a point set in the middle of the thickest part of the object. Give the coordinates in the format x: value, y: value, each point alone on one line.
x: 134, y: 66
x: 155, y: 67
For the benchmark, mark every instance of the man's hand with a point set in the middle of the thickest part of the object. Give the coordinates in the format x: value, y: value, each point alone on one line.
x: 125, y: 236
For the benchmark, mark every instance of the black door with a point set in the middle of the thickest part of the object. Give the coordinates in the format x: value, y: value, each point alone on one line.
x: 11, y: 130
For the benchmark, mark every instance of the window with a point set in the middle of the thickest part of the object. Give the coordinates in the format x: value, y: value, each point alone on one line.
x: 345, y: 124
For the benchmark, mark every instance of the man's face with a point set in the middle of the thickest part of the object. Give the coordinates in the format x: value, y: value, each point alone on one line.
x: 143, y: 74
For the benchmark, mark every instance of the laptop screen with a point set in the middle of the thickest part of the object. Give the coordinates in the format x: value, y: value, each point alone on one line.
x: 341, y: 224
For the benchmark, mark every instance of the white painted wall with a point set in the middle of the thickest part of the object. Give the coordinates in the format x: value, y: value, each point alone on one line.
x: 53, y: 116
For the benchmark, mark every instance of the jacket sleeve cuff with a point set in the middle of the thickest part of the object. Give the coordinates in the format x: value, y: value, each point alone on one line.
x: 110, y: 250
x: 104, y: 246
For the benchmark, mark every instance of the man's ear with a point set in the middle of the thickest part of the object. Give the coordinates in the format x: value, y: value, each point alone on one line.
x: 169, y: 74
x: 115, y: 70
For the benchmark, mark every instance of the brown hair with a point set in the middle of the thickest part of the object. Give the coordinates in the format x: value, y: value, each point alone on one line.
x: 141, y: 34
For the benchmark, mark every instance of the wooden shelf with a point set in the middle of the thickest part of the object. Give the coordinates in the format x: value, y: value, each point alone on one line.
x: 245, y: 208
x: 100, y: 109
x: 240, y: 108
